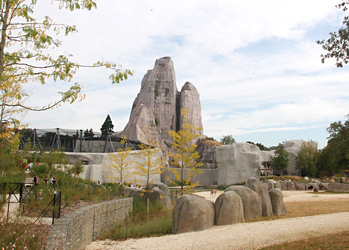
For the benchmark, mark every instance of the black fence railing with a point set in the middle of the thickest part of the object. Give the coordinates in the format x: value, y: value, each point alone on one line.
x: 16, y: 197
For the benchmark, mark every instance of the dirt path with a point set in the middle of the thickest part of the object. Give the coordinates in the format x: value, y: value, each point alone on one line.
x: 246, y: 235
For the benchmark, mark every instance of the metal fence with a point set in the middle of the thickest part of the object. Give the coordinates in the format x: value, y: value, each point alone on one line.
x: 27, y: 200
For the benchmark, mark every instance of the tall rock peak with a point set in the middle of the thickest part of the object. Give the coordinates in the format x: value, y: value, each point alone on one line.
x: 162, y: 101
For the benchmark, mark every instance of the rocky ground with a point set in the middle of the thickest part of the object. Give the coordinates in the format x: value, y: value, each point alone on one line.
x: 246, y: 235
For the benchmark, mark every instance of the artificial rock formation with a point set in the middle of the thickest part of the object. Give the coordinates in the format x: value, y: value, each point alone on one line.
x: 166, y: 200
x: 262, y: 191
x: 229, y: 209
x: 277, y: 201
x: 251, y: 201
x: 156, y: 109
x: 292, y: 147
x: 237, y: 163
x: 192, y: 213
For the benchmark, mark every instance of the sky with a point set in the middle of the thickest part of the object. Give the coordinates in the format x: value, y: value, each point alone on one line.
x: 255, y: 64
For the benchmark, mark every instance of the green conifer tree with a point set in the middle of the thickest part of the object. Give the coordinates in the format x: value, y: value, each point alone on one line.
x: 107, y: 127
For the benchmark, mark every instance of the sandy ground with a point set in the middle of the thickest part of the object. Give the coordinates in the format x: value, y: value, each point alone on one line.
x: 245, y: 235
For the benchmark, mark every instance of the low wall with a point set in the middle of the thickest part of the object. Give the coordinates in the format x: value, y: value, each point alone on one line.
x: 206, y: 178
x: 338, y: 187
x: 81, y: 227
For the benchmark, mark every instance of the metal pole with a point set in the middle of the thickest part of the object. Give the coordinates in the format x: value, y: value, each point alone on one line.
x: 80, y: 139
x: 58, y: 139
x: 34, y: 138
x: 54, y: 207
x: 8, y: 205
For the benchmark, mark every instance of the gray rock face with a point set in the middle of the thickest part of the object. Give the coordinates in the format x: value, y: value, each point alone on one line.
x: 269, y: 183
x: 299, y: 186
x: 277, y: 201
x: 133, y: 192
x: 237, y: 163
x: 157, y: 195
x: 158, y: 92
x: 229, y: 209
x: 192, y: 213
x: 263, y: 193
x: 207, y: 154
x: 166, y: 193
x: 190, y: 98
x: 292, y: 147
x: 250, y: 199
x: 156, y: 109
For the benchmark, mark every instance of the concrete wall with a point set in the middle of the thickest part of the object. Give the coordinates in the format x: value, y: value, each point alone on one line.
x: 98, y: 167
x: 207, y: 177
x: 81, y: 227
x: 338, y: 187
x: 95, y: 146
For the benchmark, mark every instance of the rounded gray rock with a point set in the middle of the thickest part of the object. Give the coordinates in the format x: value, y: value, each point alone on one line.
x: 277, y: 201
x: 229, y: 209
x: 250, y: 199
x: 192, y: 213
x: 263, y: 193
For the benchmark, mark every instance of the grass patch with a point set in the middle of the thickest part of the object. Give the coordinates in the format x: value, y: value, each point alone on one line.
x: 309, y: 208
x: 21, y: 235
x: 138, y: 225
x: 331, y: 241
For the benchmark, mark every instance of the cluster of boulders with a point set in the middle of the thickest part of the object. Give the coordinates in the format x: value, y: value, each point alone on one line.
x: 235, y: 205
x: 289, y: 185
x: 158, y: 192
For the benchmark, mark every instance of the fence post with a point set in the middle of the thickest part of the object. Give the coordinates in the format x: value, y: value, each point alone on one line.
x: 20, y: 192
x: 54, y: 206
x: 8, y: 205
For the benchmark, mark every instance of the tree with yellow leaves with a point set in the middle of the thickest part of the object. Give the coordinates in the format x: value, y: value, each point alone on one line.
x: 150, y: 165
x: 184, y: 159
x: 120, y: 163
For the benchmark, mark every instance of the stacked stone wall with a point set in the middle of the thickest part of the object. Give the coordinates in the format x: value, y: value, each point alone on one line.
x: 338, y: 187
x: 81, y: 227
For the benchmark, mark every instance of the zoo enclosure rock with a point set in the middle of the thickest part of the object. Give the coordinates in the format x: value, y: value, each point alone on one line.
x: 164, y: 188
x: 229, y: 209
x: 262, y: 191
x: 251, y: 201
x: 192, y: 213
x: 277, y: 201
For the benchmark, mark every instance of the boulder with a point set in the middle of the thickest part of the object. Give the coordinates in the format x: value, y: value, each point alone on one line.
x: 270, y: 184
x: 299, y: 186
x: 133, y: 192
x: 277, y: 185
x: 250, y: 199
x: 262, y: 191
x: 277, y: 201
x: 290, y: 185
x: 229, y: 209
x: 166, y: 193
x: 157, y: 195
x: 192, y: 213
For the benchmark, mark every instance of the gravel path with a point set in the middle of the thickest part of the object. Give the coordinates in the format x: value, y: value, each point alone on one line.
x: 245, y: 235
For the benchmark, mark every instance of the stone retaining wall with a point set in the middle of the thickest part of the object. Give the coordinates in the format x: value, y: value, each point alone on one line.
x: 81, y: 227
x: 338, y: 187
